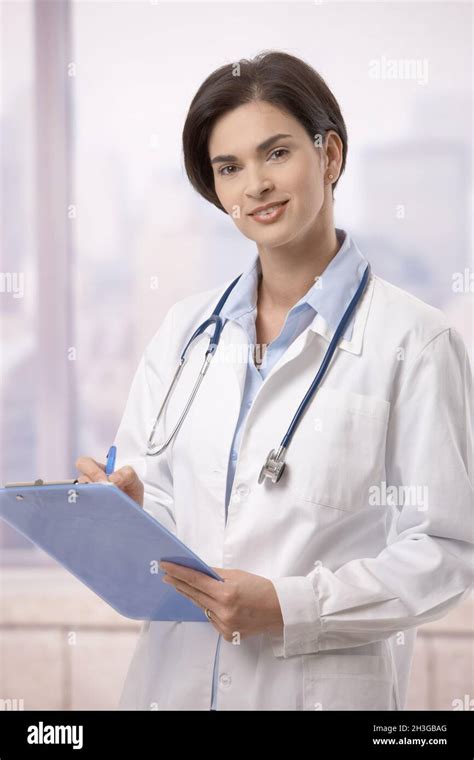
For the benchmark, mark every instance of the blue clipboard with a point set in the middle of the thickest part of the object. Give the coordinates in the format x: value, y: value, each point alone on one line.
x: 109, y: 543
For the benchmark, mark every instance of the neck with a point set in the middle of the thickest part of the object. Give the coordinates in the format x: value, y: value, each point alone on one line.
x: 289, y: 271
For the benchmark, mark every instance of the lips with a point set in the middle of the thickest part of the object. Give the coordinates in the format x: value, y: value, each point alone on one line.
x: 271, y: 215
x: 267, y: 209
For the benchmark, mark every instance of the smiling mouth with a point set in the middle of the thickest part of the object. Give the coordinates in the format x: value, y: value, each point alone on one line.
x: 268, y: 211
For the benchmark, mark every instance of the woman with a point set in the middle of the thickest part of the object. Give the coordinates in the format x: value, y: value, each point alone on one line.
x: 367, y: 534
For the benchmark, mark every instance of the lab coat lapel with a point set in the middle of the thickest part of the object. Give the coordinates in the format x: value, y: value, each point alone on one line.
x: 320, y: 327
x: 232, y: 354
x: 233, y: 350
x: 225, y: 384
x: 354, y: 345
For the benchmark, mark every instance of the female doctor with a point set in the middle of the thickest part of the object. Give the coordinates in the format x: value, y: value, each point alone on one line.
x: 358, y: 527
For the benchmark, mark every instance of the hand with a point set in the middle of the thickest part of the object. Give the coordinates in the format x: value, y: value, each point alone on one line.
x: 126, y: 478
x: 244, y: 603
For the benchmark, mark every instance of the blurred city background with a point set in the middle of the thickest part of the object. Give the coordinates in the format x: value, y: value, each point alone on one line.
x: 101, y: 233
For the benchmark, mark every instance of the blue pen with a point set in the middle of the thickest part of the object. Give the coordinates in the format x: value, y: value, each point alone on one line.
x: 109, y: 467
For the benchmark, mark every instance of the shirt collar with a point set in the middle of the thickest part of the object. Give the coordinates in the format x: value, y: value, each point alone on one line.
x: 328, y: 297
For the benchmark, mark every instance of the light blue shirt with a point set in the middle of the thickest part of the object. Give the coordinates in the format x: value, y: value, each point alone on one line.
x: 330, y: 296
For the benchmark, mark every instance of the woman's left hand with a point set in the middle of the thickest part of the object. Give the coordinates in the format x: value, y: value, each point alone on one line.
x: 243, y: 605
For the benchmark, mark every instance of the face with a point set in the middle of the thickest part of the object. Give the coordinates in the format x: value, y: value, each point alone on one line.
x: 290, y: 168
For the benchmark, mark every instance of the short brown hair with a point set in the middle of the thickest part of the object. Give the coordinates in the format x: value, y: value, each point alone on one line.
x: 278, y: 78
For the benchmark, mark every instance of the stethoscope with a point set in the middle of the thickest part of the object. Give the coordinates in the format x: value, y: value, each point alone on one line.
x: 275, y: 464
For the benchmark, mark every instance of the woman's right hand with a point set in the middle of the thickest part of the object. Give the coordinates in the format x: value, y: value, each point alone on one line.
x: 126, y: 478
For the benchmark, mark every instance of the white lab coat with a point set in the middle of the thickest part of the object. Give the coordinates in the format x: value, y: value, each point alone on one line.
x: 355, y: 574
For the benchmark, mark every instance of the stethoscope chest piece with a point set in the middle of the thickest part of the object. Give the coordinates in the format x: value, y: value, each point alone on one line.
x: 274, y: 466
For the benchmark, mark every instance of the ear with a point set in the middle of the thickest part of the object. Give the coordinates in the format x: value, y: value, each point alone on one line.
x: 333, y: 154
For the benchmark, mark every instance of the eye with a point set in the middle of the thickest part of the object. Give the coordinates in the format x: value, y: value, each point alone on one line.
x: 223, y: 173
x: 279, y: 150
x: 221, y: 170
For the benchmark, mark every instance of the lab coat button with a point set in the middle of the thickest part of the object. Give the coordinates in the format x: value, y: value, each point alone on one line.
x: 243, y: 490
x: 225, y: 680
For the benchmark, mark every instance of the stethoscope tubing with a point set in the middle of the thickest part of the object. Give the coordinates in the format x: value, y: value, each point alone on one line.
x: 219, y: 323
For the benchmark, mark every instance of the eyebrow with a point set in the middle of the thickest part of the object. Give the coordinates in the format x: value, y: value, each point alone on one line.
x: 260, y: 149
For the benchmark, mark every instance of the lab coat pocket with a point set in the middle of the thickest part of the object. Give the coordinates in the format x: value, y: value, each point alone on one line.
x: 347, y: 682
x: 338, y: 450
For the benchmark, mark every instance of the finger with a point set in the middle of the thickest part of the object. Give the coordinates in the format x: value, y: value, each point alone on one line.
x: 94, y: 470
x: 194, y: 578
x: 214, y: 619
x: 216, y: 626
x: 199, y: 597
x: 124, y: 477
x: 84, y: 479
x: 215, y: 622
x: 221, y: 572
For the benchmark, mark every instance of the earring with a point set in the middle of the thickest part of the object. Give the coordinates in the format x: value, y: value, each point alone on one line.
x: 331, y: 176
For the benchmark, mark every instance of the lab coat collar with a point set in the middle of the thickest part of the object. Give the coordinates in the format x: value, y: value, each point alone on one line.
x: 326, y: 297
x: 232, y: 335
x: 354, y: 345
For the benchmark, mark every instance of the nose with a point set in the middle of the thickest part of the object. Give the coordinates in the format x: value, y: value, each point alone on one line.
x: 257, y: 184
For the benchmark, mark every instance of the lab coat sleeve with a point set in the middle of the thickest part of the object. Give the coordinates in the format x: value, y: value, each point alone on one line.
x: 426, y: 567
x: 144, y: 400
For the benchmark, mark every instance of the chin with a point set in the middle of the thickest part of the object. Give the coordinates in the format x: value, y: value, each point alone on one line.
x: 269, y: 232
